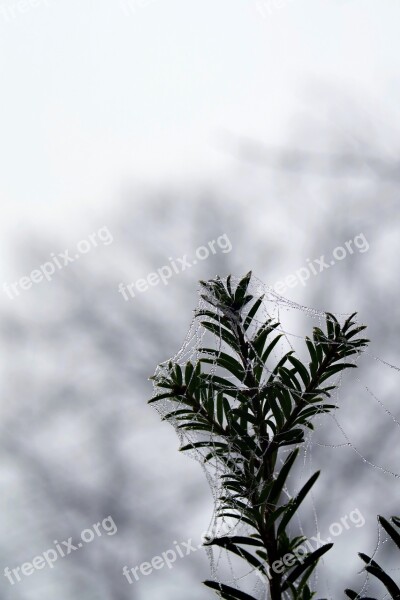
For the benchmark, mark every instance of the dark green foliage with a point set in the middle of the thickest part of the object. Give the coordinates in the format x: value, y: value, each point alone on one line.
x: 245, y: 412
x: 376, y: 570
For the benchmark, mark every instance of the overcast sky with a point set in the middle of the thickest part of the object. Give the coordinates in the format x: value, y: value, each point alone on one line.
x: 96, y: 93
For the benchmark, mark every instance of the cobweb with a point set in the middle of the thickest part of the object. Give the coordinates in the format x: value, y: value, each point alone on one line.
x: 295, y: 323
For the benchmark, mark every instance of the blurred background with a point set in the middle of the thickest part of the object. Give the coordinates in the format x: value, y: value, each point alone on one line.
x: 170, y: 124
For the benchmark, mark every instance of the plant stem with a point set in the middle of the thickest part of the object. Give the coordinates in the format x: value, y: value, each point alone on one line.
x: 268, y: 536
